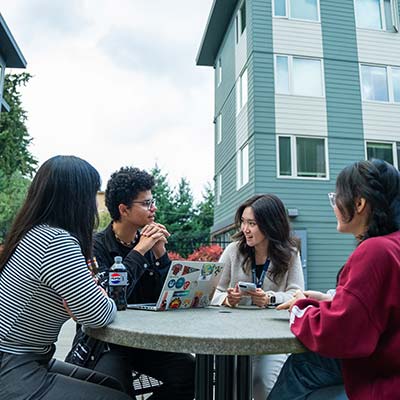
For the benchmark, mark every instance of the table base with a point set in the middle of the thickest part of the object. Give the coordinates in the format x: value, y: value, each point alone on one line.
x: 233, y: 377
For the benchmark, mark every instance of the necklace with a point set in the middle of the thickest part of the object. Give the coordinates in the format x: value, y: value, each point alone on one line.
x: 119, y: 240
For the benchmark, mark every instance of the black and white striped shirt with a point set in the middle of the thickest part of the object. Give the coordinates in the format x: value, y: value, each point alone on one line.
x: 47, y: 268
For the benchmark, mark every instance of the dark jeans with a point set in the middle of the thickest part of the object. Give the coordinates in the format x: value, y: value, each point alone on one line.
x: 29, y: 377
x: 175, y: 370
x: 303, y: 374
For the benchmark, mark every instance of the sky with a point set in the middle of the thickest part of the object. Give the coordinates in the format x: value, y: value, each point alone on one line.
x: 116, y: 83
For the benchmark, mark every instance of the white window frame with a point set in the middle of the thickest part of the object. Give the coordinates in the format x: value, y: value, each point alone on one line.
x: 238, y: 22
x: 293, y: 156
x: 289, y: 16
x: 218, y: 128
x: 218, y: 189
x: 242, y: 90
x: 290, y: 74
x: 378, y: 141
x: 395, y: 16
x: 219, y: 71
x: 242, y: 174
x: 389, y: 80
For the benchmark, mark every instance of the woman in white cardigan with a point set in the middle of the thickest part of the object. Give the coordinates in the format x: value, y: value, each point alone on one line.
x: 263, y: 253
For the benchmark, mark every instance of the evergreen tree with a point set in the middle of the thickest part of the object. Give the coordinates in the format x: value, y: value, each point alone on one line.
x: 16, y: 162
x: 163, y: 196
x: 14, y: 136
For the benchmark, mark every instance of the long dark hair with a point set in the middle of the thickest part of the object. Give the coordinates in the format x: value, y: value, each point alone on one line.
x: 63, y: 195
x: 378, y: 182
x: 271, y: 218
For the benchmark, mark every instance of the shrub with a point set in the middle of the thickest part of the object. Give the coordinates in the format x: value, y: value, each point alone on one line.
x: 206, y: 253
x: 173, y: 255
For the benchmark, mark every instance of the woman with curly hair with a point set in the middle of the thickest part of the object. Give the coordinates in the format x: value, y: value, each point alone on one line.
x: 264, y: 253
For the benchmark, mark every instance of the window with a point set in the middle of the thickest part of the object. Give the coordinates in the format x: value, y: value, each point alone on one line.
x: 219, y: 189
x: 297, y: 9
x: 242, y: 171
x: 241, y: 91
x: 380, y: 83
x: 385, y: 151
x: 219, y: 71
x: 298, y: 76
x: 396, y: 84
x: 377, y: 14
x: 218, y: 127
x: 240, y: 21
x: 302, y: 157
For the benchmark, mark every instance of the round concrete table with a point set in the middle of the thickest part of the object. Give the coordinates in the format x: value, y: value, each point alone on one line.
x: 230, y: 334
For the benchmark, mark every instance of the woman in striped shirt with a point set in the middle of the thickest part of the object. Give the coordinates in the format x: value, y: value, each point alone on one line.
x: 44, y: 280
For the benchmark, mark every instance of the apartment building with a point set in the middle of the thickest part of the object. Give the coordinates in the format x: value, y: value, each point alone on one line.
x: 302, y: 88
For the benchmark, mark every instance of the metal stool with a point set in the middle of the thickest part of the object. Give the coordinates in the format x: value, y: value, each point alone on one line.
x: 144, y: 384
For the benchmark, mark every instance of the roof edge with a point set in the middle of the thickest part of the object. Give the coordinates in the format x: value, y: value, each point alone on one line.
x: 13, y: 56
x: 217, y: 24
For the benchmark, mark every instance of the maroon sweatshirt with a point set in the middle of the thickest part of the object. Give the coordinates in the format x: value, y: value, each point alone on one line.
x: 361, y: 325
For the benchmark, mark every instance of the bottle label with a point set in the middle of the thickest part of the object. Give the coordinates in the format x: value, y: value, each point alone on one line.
x: 118, y: 279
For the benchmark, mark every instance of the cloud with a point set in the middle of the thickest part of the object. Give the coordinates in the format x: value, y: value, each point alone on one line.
x: 116, y: 83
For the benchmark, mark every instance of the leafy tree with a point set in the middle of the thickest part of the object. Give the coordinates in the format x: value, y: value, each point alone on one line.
x: 16, y: 162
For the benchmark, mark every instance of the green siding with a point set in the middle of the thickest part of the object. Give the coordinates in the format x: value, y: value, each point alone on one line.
x: 327, y: 250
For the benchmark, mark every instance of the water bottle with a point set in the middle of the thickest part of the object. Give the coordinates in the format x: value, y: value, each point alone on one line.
x: 117, y: 283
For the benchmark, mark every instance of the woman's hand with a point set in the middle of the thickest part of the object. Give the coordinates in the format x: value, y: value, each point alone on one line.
x: 290, y: 303
x: 259, y: 298
x: 313, y: 294
x: 233, y: 298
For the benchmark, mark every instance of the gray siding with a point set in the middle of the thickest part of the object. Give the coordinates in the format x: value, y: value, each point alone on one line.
x: 300, y: 38
x: 381, y: 120
x: 301, y: 115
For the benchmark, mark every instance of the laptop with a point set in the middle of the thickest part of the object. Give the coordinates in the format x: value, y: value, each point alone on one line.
x: 188, y: 284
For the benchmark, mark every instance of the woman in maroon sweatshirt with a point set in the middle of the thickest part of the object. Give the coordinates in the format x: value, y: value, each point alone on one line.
x: 360, y: 324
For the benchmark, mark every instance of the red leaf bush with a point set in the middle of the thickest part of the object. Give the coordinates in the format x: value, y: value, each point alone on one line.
x: 173, y: 255
x: 206, y: 253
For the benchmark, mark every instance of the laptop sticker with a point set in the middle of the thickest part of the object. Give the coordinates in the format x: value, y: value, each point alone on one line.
x: 180, y: 282
x: 176, y: 269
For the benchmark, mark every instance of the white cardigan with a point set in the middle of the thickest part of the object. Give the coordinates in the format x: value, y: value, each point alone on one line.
x: 233, y: 273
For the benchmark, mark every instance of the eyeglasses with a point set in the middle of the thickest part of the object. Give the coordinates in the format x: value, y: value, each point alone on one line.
x: 147, y: 203
x: 332, y: 199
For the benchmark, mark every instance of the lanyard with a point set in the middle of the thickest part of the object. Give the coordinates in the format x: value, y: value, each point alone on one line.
x: 259, y: 282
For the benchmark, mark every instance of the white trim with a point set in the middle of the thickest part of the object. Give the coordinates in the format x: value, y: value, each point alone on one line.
x: 240, y: 181
x: 218, y: 190
x: 293, y: 155
x: 291, y: 78
x: 389, y: 81
x: 218, y: 127
x: 395, y: 17
x: 379, y: 141
x: 238, y: 22
x: 289, y: 12
x: 239, y: 90
x: 219, y: 71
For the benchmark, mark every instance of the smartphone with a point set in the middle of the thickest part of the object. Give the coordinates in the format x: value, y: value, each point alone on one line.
x: 247, y: 286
